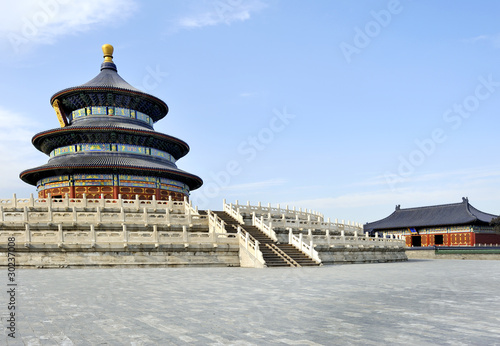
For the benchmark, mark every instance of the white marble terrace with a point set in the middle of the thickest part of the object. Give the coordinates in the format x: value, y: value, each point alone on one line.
x: 83, y: 221
x: 122, y: 222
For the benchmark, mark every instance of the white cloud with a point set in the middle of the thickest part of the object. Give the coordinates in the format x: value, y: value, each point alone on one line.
x: 480, y: 184
x: 410, y: 198
x: 494, y: 39
x: 248, y: 94
x: 220, y: 12
x: 17, y: 151
x: 29, y: 22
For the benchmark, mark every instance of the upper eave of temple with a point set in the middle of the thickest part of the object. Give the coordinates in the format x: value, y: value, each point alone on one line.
x: 109, y: 89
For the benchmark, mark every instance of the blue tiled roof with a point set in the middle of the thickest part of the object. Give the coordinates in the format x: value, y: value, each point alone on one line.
x: 123, y: 163
x: 46, y: 141
x: 109, y: 89
x: 437, y: 215
x: 109, y: 78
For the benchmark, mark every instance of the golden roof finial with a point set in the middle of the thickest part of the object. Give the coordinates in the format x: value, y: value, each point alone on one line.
x: 107, y: 49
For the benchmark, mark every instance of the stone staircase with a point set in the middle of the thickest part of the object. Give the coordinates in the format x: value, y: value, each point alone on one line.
x: 274, y: 254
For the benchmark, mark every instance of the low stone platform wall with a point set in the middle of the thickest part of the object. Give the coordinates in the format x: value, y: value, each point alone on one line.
x: 471, y: 253
x: 345, y: 250
x: 173, y: 255
x: 348, y: 255
x: 69, y: 232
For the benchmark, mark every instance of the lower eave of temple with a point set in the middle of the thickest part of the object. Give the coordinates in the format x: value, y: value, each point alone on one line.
x: 32, y: 176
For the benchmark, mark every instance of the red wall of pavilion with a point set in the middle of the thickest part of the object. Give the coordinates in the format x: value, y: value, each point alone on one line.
x: 112, y: 192
x: 485, y: 238
x: 449, y: 239
x: 456, y: 239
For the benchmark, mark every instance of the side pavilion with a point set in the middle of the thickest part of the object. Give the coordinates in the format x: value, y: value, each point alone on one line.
x: 457, y: 224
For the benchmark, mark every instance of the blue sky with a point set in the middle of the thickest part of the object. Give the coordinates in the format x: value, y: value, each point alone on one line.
x: 344, y: 107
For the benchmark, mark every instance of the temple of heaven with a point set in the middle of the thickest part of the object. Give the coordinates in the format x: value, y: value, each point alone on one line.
x: 106, y: 145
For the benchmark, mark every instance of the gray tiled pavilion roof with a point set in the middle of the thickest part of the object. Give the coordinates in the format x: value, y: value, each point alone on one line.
x: 436, y: 215
x: 116, y: 162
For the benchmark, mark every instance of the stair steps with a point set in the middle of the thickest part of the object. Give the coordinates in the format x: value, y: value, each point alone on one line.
x: 270, y: 255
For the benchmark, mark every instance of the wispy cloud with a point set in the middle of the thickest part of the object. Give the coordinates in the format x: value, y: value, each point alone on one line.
x: 247, y: 94
x: 410, y: 197
x: 493, y: 39
x: 17, y: 151
x: 480, y: 184
x: 221, y: 12
x: 26, y: 23
x: 469, y: 175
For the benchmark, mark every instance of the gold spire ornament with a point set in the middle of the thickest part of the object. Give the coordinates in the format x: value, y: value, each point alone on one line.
x: 108, y: 49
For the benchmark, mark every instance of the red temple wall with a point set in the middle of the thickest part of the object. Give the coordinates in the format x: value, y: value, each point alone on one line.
x: 454, y: 239
x: 112, y: 192
x: 449, y: 239
x: 110, y: 186
x: 484, y: 238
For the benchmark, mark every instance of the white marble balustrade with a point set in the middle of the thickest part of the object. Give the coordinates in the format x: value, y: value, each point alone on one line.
x: 263, y: 227
x: 91, y: 236
x: 95, y: 215
x: 66, y: 202
x: 355, y: 240
x: 259, y: 210
x: 250, y: 244
x: 310, y: 225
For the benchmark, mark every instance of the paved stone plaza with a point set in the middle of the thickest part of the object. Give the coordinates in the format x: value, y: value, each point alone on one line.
x: 420, y: 302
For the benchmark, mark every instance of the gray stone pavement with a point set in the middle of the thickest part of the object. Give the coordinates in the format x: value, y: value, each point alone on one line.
x: 420, y: 302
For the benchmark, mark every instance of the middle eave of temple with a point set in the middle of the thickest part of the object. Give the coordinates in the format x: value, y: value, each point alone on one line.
x: 48, y: 140
x: 108, y: 88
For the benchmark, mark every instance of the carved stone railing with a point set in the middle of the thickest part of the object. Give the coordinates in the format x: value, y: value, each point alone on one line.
x: 357, y: 241
x: 266, y: 229
x: 251, y: 245
x: 310, y: 225
x: 215, y: 223
x: 179, y: 207
x: 123, y: 236
x: 234, y: 212
x: 188, y: 207
x: 276, y: 211
x: 96, y: 215
x: 308, y: 249
x: 280, y: 253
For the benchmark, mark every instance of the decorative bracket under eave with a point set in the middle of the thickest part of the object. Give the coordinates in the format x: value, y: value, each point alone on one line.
x: 60, y: 114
